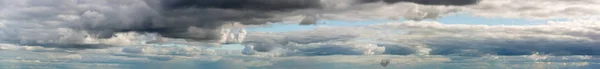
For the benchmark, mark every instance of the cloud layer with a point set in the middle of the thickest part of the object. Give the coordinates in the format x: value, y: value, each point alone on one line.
x: 535, y: 9
x: 166, y: 34
x: 189, y: 57
x: 578, y: 37
x: 409, y: 44
x: 70, y: 23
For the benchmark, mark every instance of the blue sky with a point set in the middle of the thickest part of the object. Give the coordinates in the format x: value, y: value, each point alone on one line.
x: 460, y: 18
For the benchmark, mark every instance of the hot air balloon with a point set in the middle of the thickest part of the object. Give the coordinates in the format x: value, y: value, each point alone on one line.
x: 385, y: 62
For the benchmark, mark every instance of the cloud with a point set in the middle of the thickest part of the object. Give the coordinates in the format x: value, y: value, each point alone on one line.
x: 527, y: 9
x: 210, y: 14
x: 161, y: 57
x: 576, y: 37
x: 342, y: 49
x: 556, y: 39
x: 42, y: 22
x: 59, y: 34
x: 30, y: 22
x: 535, y: 9
x: 299, y: 62
x: 175, y: 51
x: 404, y: 10
x: 268, y: 41
x: 55, y: 23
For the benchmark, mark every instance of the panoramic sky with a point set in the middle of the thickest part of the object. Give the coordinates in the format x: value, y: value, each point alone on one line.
x: 299, y: 34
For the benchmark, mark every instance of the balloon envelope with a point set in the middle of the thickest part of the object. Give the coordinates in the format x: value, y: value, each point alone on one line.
x: 385, y: 62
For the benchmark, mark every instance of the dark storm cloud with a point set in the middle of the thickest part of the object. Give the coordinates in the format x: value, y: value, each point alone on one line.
x: 280, y: 5
x: 257, y: 5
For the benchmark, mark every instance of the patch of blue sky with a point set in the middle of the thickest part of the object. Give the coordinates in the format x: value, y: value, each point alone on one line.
x: 459, y: 18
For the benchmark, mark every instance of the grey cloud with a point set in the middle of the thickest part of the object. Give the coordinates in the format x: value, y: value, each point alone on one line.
x: 260, y: 5
x: 280, y: 5
x: 309, y: 20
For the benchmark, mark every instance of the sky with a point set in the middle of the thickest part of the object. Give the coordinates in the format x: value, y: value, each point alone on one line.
x: 299, y: 34
x: 460, y: 18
